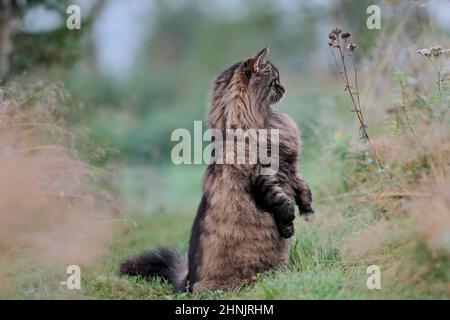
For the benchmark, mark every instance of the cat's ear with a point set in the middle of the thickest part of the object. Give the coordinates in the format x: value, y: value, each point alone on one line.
x: 258, y: 59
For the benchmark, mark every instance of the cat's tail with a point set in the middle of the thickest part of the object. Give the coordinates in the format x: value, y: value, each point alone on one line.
x: 164, y: 263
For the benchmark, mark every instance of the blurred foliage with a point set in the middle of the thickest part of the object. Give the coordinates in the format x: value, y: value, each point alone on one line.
x: 187, y: 43
x: 46, y: 49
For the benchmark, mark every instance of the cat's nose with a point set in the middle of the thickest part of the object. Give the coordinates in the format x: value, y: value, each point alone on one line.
x: 281, y: 88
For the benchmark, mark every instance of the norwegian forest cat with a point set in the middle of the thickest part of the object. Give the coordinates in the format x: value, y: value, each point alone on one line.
x: 244, y: 218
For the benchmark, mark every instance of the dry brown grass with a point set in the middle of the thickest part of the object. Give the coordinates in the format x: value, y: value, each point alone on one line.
x: 54, y: 208
x: 409, y: 232
x: 409, y: 193
x: 432, y: 219
x: 414, y: 184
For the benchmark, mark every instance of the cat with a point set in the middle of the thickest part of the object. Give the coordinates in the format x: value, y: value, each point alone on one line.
x: 244, y: 218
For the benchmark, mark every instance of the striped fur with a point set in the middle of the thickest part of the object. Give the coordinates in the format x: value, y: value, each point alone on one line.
x: 244, y: 219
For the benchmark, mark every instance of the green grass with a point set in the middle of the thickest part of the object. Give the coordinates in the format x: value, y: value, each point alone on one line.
x: 317, y: 268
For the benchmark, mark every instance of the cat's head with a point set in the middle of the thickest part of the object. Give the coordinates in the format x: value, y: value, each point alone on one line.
x: 256, y: 76
x: 244, y: 92
x: 262, y: 78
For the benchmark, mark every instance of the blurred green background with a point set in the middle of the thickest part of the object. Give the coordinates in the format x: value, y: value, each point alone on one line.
x: 137, y: 70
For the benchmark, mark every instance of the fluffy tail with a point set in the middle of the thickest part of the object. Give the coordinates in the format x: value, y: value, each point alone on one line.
x: 164, y: 263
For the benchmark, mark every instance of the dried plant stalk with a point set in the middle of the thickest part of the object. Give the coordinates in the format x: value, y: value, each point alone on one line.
x: 341, y: 49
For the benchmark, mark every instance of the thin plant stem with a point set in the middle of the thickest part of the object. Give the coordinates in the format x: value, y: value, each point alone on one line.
x: 340, y: 47
x: 438, y: 73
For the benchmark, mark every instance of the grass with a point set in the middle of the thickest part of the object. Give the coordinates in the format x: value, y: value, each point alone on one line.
x: 359, y: 224
x: 328, y: 258
x: 316, y: 268
x: 394, y: 215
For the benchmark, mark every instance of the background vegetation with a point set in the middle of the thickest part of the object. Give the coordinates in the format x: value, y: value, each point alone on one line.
x: 86, y: 117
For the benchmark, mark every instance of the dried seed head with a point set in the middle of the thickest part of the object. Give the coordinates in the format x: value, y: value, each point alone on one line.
x: 352, y: 47
x: 345, y: 35
x: 337, y: 31
x: 334, y: 33
x: 434, y: 51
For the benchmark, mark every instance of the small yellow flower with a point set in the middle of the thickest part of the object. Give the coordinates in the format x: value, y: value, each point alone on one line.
x: 338, y: 134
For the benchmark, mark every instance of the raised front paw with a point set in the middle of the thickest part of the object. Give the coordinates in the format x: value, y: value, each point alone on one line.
x: 308, y: 216
x: 285, y: 216
x: 286, y: 230
x: 285, y: 212
x: 304, y: 201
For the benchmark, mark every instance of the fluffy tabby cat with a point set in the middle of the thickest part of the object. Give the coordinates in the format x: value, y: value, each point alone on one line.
x: 245, y: 218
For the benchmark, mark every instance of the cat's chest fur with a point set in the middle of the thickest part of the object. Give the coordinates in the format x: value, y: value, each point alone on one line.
x: 289, y: 136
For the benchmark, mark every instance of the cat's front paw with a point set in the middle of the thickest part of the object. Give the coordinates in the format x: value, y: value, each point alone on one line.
x: 308, y: 216
x: 303, y: 199
x: 286, y: 230
x: 286, y: 216
x: 286, y: 212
